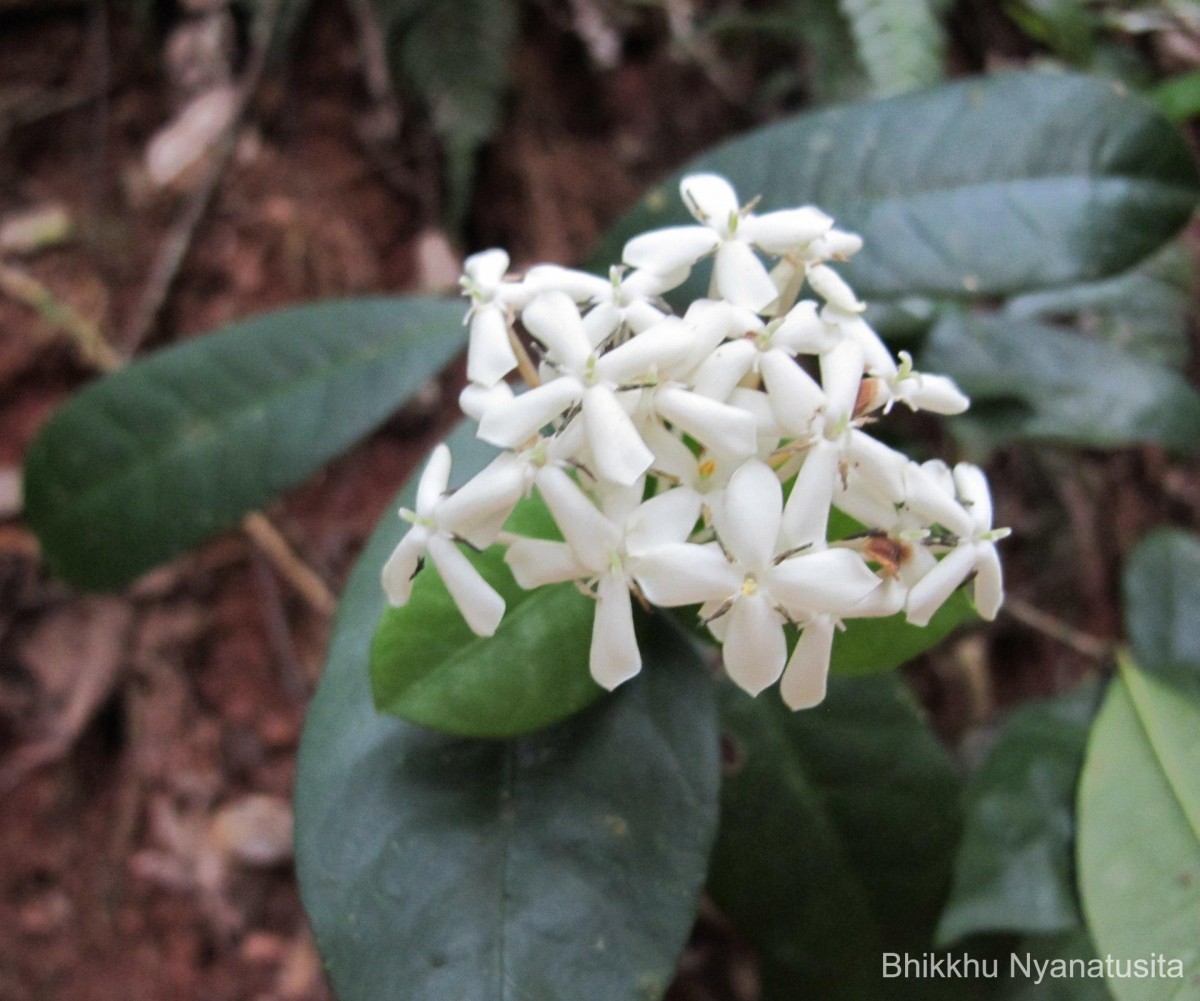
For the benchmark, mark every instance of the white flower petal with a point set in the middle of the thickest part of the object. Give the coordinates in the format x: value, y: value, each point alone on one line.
x: 836, y: 244
x: 686, y: 574
x: 535, y: 562
x: 434, y: 480
x: 841, y: 375
x: 785, y: 231
x: 795, y: 396
x: 509, y: 425
x: 886, y: 600
x: 553, y: 318
x: 831, y: 287
x: 646, y: 353
x: 831, y: 581
x: 617, y: 448
x: 719, y: 426
x: 587, y: 531
x: 476, y: 400
x: 989, y: 581
x: 973, y: 491
x: 478, y: 509
x: 804, y: 682
x: 751, y: 514
x: 742, y: 278
x: 724, y: 368
x: 643, y: 284
x: 641, y: 315
x: 614, y: 657
x: 936, y: 393
x: 482, y: 607
x: 928, y: 594
x: 662, y: 520
x: 926, y: 498
x: 710, y: 198
x: 878, y: 465
x: 490, y: 355
x: 806, y: 514
x: 804, y: 331
x: 755, y: 647
x: 758, y: 406
x: 665, y: 251
x: 487, y: 268
x: 402, y: 565
x: 602, y: 322
x: 581, y: 286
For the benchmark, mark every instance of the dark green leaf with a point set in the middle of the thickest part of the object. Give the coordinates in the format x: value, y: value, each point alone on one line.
x: 872, y: 645
x: 153, y: 459
x: 1145, y: 312
x: 428, y: 667
x: 1014, y: 870
x: 453, y: 55
x: 564, y: 865
x: 982, y: 187
x: 1162, y: 606
x: 837, y: 837
x: 1028, y: 380
x: 1139, y: 832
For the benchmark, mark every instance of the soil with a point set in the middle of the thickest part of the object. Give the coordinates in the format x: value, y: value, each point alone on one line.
x: 147, y: 740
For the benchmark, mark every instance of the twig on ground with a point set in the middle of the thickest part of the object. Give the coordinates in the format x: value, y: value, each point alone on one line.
x: 86, y: 336
x: 1089, y: 646
x: 294, y: 570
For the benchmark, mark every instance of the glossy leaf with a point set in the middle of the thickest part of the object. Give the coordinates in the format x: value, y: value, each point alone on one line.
x: 1028, y: 380
x: 1162, y: 606
x: 1014, y: 871
x: 153, y: 459
x: 428, y: 667
x: 838, y: 828
x: 1139, y: 832
x: 567, y: 864
x: 1146, y: 312
x: 981, y: 187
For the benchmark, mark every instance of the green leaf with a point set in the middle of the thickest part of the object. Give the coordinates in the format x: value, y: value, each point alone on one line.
x: 1179, y: 97
x: 428, y: 667
x: 1139, y: 833
x: 453, y: 55
x: 869, y: 646
x: 1146, y: 311
x: 837, y: 836
x: 563, y: 865
x: 900, y: 42
x: 982, y: 187
x: 1014, y: 870
x: 153, y: 459
x: 1028, y: 380
x: 1162, y: 607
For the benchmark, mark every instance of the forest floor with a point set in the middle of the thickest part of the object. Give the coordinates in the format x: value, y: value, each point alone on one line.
x: 148, y: 739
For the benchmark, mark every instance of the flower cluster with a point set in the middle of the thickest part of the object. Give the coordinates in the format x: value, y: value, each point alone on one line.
x: 695, y: 459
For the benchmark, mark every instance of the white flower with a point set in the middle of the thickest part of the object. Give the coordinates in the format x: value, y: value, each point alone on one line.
x: 490, y: 355
x: 975, y: 552
x: 731, y: 231
x: 589, y: 380
x: 431, y: 533
x: 602, y: 547
x: 750, y: 586
x: 629, y: 299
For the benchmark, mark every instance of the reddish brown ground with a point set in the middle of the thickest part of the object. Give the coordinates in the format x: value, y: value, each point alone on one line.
x: 128, y: 723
